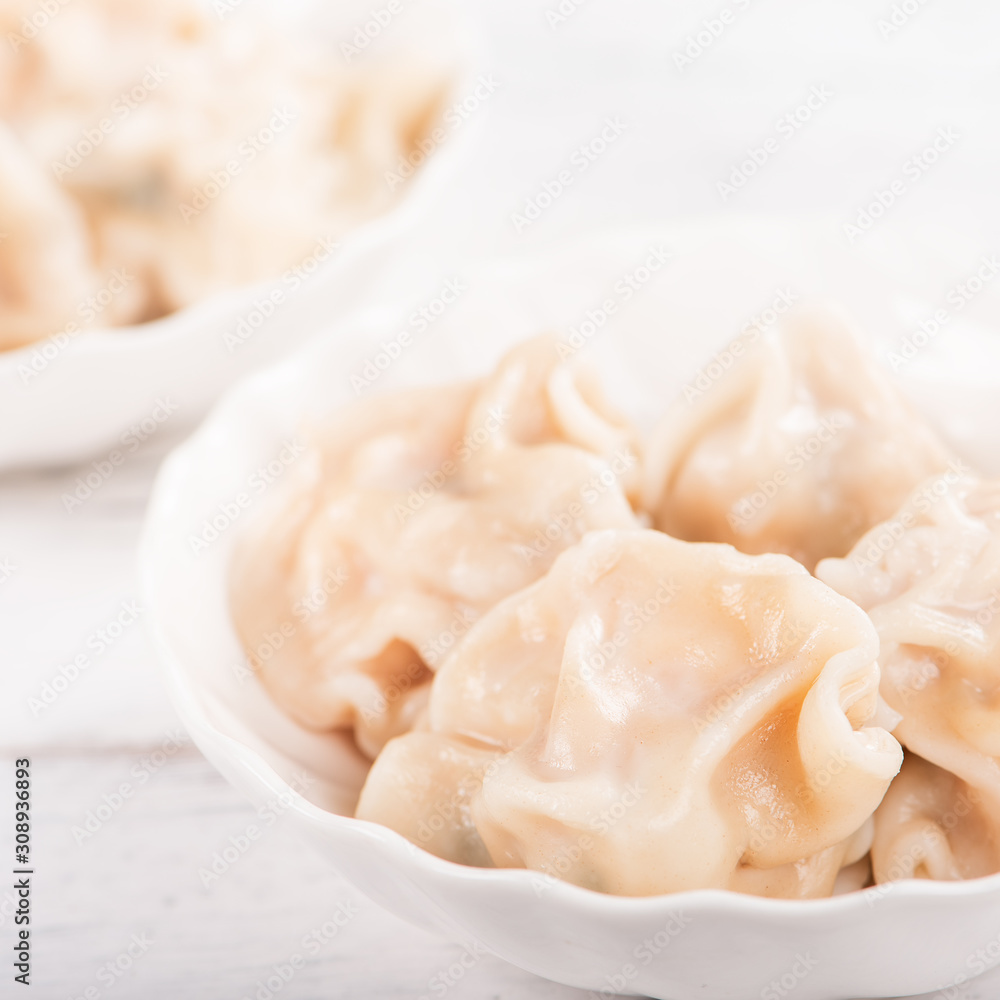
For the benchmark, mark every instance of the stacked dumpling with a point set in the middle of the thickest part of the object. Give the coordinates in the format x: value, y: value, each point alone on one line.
x: 643, y: 709
x: 801, y: 448
x: 412, y: 516
x: 929, y: 578
x: 652, y: 716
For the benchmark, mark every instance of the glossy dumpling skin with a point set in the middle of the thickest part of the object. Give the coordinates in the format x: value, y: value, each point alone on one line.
x: 929, y: 578
x: 411, y: 515
x: 799, y: 447
x: 652, y: 716
x: 933, y: 825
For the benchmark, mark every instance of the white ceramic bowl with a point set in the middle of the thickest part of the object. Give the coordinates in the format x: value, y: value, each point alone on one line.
x: 62, y: 403
x: 906, y: 938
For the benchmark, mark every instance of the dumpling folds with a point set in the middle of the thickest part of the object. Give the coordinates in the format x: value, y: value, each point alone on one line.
x: 799, y: 447
x: 409, y: 517
x: 933, y: 825
x: 929, y: 578
x: 652, y: 716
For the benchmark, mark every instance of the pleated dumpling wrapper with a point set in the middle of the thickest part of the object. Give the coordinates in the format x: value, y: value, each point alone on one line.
x: 652, y: 716
x: 929, y: 579
x: 799, y: 446
x: 410, y: 516
x: 931, y: 824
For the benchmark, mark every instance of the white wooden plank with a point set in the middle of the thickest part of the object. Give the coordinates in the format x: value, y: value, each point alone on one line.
x: 71, y: 573
x: 138, y: 875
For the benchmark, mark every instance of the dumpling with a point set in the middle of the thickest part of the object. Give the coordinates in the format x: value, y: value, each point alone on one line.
x: 799, y: 447
x: 409, y: 517
x: 652, y: 716
x: 195, y: 153
x: 933, y: 825
x: 45, y: 269
x: 929, y: 578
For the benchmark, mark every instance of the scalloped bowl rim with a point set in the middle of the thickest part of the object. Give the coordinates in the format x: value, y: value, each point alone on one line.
x: 193, y: 715
x: 253, y: 396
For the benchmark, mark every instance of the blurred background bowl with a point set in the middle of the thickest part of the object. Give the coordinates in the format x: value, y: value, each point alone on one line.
x: 88, y: 393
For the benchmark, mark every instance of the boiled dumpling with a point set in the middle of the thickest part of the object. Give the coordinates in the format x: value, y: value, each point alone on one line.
x: 799, y: 447
x: 652, y: 716
x: 45, y: 269
x: 933, y: 825
x: 929, y: 578
x: 409, y: 517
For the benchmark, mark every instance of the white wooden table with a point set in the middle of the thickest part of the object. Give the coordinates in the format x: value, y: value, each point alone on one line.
x: 133, y: 880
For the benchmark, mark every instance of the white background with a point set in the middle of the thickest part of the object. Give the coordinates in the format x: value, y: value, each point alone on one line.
x: 684, y: 130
